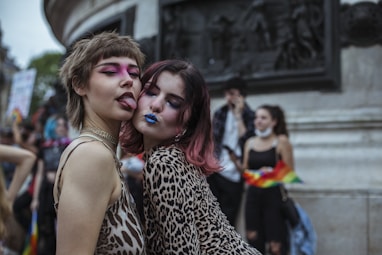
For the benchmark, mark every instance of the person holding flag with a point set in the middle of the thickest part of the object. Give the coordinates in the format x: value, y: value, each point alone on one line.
x: 267, y: 163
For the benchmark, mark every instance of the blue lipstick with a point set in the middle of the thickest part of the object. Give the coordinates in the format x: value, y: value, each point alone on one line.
x: 151, y: 118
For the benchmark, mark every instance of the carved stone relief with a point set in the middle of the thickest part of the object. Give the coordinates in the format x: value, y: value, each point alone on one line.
x: 361, y: 24
x: 271, y: 43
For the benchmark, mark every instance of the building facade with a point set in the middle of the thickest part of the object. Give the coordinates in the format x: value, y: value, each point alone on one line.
x: 7, y: 69
x: 336, y: 133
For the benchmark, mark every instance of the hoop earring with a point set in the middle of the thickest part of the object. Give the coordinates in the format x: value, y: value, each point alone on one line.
x: 179, y: 136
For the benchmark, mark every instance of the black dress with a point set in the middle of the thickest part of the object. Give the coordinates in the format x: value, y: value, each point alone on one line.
x: 263, y: 206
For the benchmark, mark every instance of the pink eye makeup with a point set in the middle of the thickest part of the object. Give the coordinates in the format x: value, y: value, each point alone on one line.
x: 118, y: 69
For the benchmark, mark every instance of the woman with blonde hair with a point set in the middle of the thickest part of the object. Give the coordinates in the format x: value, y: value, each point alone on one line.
x: 95, y: 211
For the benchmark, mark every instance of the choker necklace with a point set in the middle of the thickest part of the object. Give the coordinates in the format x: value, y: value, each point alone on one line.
x: 103, y: 134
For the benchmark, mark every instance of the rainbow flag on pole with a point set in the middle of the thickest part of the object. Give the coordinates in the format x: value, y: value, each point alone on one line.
x: 281, y: 173
x: 31, y: 240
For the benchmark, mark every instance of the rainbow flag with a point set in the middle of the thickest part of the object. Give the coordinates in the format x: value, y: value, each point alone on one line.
x: 31, y: 240
x: 281, y: 173
x: 17, y: 116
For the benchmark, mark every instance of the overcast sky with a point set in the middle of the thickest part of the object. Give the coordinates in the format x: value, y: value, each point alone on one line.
x: 25, y: 30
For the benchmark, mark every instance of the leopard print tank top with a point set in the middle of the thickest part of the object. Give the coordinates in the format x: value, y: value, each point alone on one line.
x: 121, y: 231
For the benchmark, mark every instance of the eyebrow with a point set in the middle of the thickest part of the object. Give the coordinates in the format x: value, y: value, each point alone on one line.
x: 170, y: 94
x: 116, y: 64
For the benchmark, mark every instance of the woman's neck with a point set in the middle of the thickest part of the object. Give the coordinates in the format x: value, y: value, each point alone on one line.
x: 110, y: 138
x: 271, y: 137
x: 149, y: 146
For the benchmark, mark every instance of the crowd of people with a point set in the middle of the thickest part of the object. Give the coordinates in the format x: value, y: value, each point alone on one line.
x: 45, y: 140
x: 151, y: 170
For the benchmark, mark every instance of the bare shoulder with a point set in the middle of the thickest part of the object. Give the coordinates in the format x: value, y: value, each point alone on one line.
x: 90, y: 158
x: 89, y: 149
x: 283, y: 139
x: 250, y: 141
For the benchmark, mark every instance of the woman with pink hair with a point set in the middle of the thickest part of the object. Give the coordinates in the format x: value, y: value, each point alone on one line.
x: 172, y: 125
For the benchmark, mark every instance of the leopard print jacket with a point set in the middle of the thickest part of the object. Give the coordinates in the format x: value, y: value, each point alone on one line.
x: 181, y: 214
x: 121, y: 231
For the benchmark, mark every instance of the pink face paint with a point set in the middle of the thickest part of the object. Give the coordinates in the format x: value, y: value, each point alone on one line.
x: 121, y: 70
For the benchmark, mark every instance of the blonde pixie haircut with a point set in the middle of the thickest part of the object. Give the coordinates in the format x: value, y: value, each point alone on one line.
x: 85, y: 54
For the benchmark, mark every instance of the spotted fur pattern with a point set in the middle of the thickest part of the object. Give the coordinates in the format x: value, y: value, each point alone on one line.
x: 120, y: 232
x: 181, y: 214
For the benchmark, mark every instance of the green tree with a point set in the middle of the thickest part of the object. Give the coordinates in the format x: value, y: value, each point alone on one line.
x: 47, y: 67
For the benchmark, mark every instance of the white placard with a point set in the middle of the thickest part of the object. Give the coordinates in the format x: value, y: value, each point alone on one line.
x: 21, y: 92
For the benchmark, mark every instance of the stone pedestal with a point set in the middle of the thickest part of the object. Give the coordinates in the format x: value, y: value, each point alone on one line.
x: 337, y: 142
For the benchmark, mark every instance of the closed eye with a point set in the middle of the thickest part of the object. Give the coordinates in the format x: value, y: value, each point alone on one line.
x: 151, y: 92
x: 109, y: 73
x: 134, y: 74
x: 175, y: 103
x: 173, y: 100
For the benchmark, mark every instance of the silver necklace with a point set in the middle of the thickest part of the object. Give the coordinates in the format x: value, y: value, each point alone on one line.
x: 103, y: 134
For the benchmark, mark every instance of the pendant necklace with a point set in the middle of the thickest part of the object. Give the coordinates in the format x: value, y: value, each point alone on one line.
x: 103, y: 134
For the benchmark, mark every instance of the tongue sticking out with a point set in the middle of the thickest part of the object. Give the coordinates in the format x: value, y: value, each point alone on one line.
x: 129, y: 102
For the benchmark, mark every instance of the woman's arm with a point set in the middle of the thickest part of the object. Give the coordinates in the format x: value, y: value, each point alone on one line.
x: 24, y: 161
x: 234, y: 158
x: 18, y: 139
x: 37, y: 184
x: 285, y: 149
x: 247, y: 147
x: 88, y: 182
